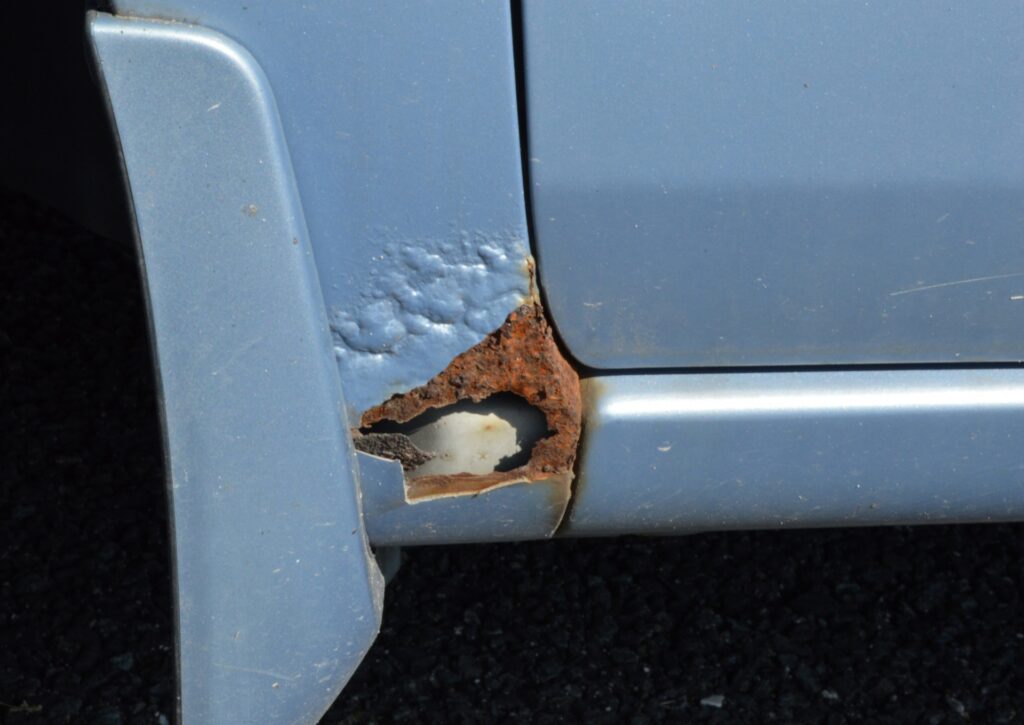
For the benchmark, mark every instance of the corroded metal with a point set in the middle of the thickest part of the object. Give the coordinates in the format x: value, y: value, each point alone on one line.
x: 395, y: 446
x: 520, y: 357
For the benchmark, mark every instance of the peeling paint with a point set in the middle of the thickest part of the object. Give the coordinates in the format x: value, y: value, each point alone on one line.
x: 395, y: 446
x: 520, y: 357
x: 505, y: 513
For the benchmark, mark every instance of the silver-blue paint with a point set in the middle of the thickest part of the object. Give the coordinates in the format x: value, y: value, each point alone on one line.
x: 401, y: 123
x: 419, y: 292
x: 753, y: 183
x: 685, y: 218
x: 513, y: 512
x: 277, y: 595
x: 685, y: 453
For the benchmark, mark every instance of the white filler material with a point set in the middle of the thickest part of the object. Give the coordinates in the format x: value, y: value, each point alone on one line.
x: 465, y: 443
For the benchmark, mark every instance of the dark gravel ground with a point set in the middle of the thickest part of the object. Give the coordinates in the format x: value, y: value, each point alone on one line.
x: 867, y: 625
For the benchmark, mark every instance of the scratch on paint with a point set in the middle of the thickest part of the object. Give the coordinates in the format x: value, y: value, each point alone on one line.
x: 237, y: 354
x: 972, y: 280
x: 251, y: 670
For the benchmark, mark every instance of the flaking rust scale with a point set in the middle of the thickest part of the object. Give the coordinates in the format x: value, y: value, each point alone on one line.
x: 394, y: 446
x: 520, y: 357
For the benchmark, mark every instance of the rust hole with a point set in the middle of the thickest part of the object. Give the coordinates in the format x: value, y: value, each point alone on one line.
x: 520, y: 358
x: 497, y: 434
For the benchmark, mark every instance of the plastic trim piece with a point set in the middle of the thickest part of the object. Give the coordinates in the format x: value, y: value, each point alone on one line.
x: 278, y: 597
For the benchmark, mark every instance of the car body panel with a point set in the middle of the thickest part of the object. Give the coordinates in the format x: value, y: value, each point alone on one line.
x: 402, y: 126
x: 726, y: 184
x: 329, y: 197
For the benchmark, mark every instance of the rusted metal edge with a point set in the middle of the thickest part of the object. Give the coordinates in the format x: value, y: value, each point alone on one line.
x: 520, y: 357
x: 392, y: 446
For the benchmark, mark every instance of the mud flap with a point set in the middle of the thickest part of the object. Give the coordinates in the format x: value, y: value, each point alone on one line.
x: 278, y: 596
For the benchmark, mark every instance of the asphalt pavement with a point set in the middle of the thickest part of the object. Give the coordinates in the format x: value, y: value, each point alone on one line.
x: 900, y: 625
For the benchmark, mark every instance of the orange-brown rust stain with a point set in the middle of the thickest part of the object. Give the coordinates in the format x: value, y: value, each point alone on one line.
x: 592, y: 389
x: 520, y: 357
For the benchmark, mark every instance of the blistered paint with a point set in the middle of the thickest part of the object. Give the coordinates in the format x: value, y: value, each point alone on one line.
x: 402, y: 123
x: 421, y: 303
